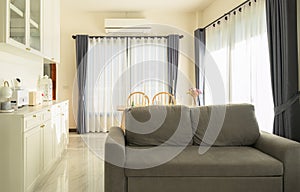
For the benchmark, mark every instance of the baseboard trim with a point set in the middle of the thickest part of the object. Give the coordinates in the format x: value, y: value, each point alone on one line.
x: 72, y: 130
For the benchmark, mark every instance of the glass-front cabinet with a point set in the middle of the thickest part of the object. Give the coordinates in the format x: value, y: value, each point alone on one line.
x: 35, y: 24
x: 24, y: 24
x: 17, y: 25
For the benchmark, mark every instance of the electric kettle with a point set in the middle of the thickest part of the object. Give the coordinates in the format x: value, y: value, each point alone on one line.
x: 5, y: 94
x: 5, y: 91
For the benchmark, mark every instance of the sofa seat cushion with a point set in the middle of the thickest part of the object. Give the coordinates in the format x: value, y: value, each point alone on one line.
x: 216, y: 162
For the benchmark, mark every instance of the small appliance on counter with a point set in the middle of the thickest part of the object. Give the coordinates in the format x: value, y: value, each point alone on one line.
x: 20, y: 95
x: 35, y: 98
x: 5, y: 95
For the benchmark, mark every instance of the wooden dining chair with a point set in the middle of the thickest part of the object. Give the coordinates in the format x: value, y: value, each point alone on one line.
x: 138, y: 99
x: 163, y: 98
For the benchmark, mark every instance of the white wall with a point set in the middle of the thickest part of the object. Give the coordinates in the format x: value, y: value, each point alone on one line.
x: 27, y: 68
x: 92, y: 23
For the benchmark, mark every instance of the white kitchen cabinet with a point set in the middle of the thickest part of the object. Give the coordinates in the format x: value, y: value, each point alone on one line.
x: 57, y: 135
x: 51, y: 31
x: 60, y: 120
x: 29, y: 145
x: 48, y: 31
x: 21, y: 25
x: 48, y: 145
x: 65, y: 122
x: 35, y: 24
x: 33, y: 162
x: 56, y: 31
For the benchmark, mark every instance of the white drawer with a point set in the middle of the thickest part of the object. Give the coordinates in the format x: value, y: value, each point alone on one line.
x: 33, y: 120
x: 37, y: 118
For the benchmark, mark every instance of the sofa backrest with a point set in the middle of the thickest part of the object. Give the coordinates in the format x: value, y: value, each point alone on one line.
x: 225, y: 125
x: 157, y: 125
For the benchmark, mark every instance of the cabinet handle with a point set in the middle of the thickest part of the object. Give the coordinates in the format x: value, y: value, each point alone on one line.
x: 34, y: 116
x: 62, y: 114
x: 52, y: 58
x: 28, y: 49
x: 49, y: 110
x: 43, y: 126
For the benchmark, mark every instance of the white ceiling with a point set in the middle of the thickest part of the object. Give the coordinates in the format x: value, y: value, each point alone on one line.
x: 136, y: 5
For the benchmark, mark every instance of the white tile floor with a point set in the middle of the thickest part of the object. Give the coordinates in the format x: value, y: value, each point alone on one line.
x: 81, y: 167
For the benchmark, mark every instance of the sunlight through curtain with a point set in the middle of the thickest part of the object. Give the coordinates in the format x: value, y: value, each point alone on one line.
x: 106, y: 65
x: 118, y: 66
x: 148, y: 65
x: 239, y: 46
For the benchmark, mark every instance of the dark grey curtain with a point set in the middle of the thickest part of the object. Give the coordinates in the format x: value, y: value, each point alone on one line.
x: 81, y: 60
x: 173, y: 48
x: 200, y: 42
x: 282, y: 34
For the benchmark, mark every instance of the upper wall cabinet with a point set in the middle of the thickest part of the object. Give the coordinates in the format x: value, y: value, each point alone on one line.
x: 51, y: 31
x: 21, y: 24
x: 35, y: 17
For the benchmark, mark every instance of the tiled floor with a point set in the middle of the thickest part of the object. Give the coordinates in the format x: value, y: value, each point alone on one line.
x: 81, y: 167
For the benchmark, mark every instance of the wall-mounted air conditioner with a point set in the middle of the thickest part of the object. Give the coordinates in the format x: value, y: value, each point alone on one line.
x: 127, y: 25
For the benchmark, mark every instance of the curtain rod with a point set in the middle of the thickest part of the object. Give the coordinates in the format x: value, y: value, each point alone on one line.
x: 74, y: 36
x: 232, y: 10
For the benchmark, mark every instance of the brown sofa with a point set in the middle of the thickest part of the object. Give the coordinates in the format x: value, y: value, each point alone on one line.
x: 209, y: 149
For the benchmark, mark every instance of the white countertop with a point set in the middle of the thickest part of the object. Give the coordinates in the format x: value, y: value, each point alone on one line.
x: 27, y: 110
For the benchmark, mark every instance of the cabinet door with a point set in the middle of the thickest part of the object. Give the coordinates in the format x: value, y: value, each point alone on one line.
x: 48, y: 140
x: 64, y: 130
x: 35, y: 24
x: 52, y: 31
x: 48, y: 29
x: 56, y: 30
x: 67, y: 126
x: 60, y: 122
x: 58, y: 135
x: 65, y: 123
x: 17, y: 21
x: 32, y: 156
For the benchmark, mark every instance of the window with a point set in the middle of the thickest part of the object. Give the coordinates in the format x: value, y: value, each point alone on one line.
x: 118, y: 66
x: 239, y: 47
x: 148, y: 65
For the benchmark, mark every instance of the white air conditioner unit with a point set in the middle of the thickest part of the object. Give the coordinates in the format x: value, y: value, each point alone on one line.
x: 127, y: 26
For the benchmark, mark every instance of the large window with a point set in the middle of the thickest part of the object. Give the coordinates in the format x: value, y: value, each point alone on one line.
x: 148, y: 65
x: 118, y: 66
x: 239, y: 46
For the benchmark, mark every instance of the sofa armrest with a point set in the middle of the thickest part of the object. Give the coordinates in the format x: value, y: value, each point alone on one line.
x: 115, y: 179
x: 286, y: 151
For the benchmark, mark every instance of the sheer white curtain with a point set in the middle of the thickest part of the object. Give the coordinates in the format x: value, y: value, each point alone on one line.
x: 118, y: 66
x: 218, y: 46
x: 107, y: 64
x: 239, y: 46
x: 148, y: 65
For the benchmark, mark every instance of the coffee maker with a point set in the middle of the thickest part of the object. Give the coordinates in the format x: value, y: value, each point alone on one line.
x: 20, y: 96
